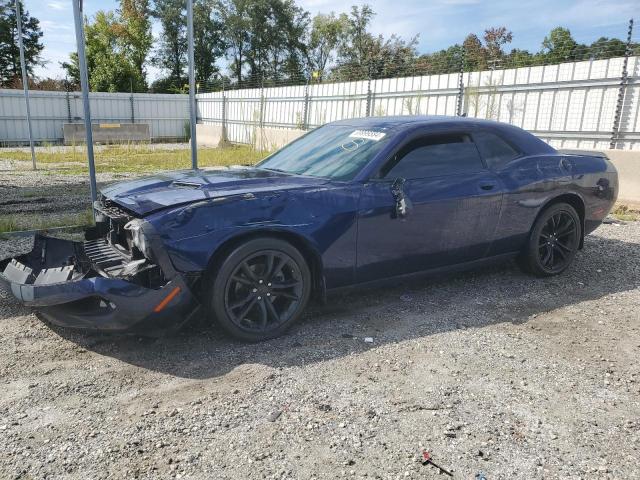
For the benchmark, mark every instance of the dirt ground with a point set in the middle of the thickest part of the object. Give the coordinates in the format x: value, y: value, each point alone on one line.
x: 494, y: 372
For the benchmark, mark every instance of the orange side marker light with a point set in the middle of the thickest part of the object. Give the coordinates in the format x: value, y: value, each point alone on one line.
x: 166, y: 300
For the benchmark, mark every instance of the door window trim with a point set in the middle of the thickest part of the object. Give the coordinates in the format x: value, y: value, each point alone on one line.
x: 418, y: 136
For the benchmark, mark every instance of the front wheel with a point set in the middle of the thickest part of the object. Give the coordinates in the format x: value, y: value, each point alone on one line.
x: 553, y: 241
x: 260, y: 290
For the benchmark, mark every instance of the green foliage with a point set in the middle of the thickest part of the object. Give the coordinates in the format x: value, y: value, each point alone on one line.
x: 475, y: 54
x: 209, y: 44
x: 170, y: 85
x: 21, y: 223
x: 134, y: 159
x: 110, y: 67
x: 117, y: 45
x: 10, y: 68
x: 607, y: 47
x: 171, y: 54
x: 134, y: 30
x: 559, y: 46
x: 265, y: 39
x: 494, y: 39
x: 624, y: 213
x: 362, y: 55
x: 327, y: 31
x: 271, y: 42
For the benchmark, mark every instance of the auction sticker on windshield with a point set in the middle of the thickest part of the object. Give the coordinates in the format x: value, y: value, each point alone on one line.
x: 368, y: 135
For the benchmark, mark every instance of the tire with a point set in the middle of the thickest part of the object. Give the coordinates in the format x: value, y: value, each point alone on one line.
x: 553, y: 241
x: 259, y: 290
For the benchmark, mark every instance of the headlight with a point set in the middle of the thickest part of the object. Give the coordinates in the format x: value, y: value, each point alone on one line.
x: 137, y: 236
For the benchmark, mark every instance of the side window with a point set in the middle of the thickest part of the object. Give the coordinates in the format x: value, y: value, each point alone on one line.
x: 435, y: 156
x: 495, y: 151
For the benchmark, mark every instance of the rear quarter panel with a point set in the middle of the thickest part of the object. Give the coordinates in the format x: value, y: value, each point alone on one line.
x: 533, y: 182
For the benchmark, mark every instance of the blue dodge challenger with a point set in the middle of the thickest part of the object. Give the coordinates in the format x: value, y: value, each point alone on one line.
x: 352, y: 203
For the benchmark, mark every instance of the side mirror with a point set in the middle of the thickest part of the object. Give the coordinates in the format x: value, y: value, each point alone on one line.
x: 403, y: 204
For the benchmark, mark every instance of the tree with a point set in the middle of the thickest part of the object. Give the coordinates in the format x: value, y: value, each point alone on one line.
x: 235, y: 18
x: 134, y: 33
x: 559, y: 46
x: 172, y: 51
x: 275, y: 49
x: 286, y: 53
x: 363, y: 55
x: 109, y: 67
x: 208, y: 42
x: 10, y: 67
x: 607, y: 48
x: 324, y: 39
x: 475, y: 54
x: 264, y: 39
x: 494, y: 39
x: 444, y: 61
x: 356, y: 42
x: 522, y: 58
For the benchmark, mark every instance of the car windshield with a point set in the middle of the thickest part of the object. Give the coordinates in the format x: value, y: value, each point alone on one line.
x: 332, y: 151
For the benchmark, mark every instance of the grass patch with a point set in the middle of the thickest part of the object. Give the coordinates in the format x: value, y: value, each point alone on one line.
x: 133, y: 158
x: 623, y: 212
x: 20, y: 223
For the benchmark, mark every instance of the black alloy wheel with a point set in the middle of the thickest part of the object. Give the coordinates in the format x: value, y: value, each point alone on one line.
x: 261, y: 289
x: 553, y: 242
x: 557, y: 240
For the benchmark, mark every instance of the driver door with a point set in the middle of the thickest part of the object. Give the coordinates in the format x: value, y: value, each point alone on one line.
x: 433, y: 204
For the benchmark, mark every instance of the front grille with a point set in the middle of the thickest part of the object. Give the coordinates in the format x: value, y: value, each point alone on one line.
x: 105, y: 257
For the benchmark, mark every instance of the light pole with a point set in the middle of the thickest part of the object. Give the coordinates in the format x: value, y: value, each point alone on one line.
x: 84, y: 83
x: 25, y: 81
x: 192, y: 87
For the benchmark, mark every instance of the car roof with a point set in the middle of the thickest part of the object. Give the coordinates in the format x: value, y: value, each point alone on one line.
x: 400, y: 121
x: 526, y: 142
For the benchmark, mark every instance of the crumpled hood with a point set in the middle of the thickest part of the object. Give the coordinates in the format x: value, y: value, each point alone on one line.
x: 168, y: 189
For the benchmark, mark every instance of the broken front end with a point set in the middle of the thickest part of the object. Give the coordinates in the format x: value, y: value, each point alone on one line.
x: 119, y: 278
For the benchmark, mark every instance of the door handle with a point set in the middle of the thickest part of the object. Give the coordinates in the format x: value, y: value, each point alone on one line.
x: 487, y: 186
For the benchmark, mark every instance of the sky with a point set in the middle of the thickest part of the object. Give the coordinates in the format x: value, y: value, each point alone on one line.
x: 439, y: 23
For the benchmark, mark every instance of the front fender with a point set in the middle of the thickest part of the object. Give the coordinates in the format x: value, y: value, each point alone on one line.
x: 324, y: 217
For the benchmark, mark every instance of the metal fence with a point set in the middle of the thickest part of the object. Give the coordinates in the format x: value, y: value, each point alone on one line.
x: 166, y: 114
x: 570, y: 105
x: 583, y: 104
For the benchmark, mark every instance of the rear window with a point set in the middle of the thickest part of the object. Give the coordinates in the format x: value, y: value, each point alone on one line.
x: 495, y: 151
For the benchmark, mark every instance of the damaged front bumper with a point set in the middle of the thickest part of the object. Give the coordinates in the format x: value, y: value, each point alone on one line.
x: 70, y: 284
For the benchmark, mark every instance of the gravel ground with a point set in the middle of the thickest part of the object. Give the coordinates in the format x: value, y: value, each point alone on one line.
x: 492, y: 371
x: 43, y: 192
x: 47, y: 192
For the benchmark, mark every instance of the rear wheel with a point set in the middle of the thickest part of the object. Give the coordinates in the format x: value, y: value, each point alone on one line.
x: 260, y: 290
x: 553, y: 242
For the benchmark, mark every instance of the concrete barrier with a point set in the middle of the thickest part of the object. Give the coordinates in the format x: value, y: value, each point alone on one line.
x: 263, y: 139
x: 74, y: 133
x: 270, y: 139
x: 210, y: 135
x: 627, y: 162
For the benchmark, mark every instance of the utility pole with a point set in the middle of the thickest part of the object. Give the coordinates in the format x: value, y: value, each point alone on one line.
x: 622, y: 90
x: 460, y: 98
x: 192, y: 87
x: 84, y: 84
x: 25, y: 81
